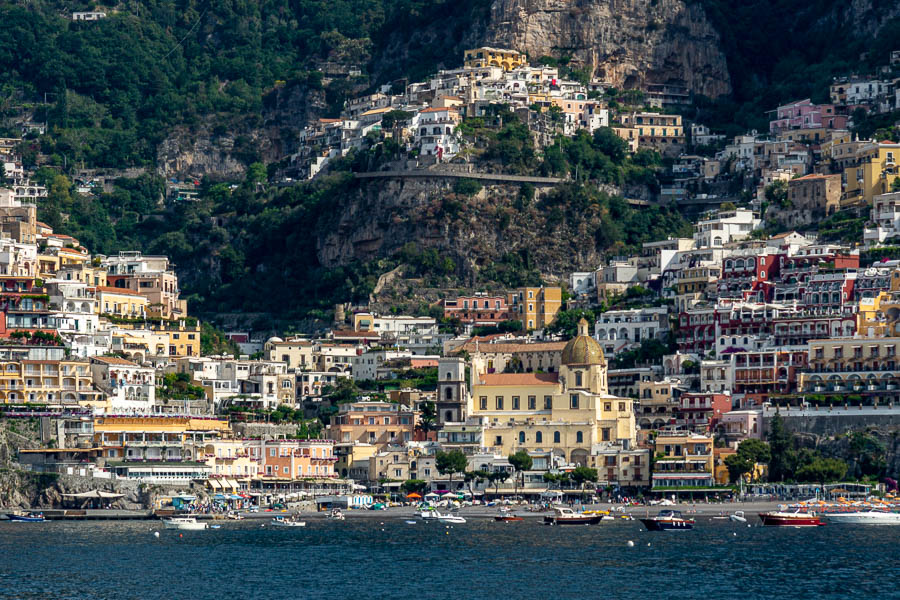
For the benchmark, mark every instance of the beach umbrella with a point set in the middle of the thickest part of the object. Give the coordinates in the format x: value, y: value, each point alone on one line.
x: 414, y: 495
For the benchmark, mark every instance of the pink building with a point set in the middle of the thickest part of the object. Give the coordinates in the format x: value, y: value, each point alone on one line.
x: 806, y: 115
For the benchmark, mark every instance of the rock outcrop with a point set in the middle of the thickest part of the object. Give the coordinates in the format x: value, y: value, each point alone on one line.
x: 381, y: 216
x: 625, y: 42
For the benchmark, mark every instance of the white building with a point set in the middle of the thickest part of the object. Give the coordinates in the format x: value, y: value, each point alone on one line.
x: 582, y: 283
x: 724, y: 228
x: 126, y: 386
x: 436, y: 132
x: 886, y: 216
x: 366, y: 365
x: 619, y: 330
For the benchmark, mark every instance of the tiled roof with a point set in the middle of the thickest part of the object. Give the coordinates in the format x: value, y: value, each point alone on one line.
x: 518, y: 379
x: 114, y: 360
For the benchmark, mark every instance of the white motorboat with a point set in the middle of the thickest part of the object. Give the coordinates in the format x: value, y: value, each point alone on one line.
x: 288, y: 522
x: 448, y: 518
x: 865, y: 517
x: 184, y: 524
x: 336, y: 515
x: 738, y: 517
x: 429, y: 514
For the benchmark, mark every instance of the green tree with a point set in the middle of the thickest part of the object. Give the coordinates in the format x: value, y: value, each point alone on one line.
x: 448, y: 463
x: 521, y: 461
x: 738, y: 466
x: 822, y: 470
x: 566, y: 321
x: 581, y: 475
x: 413, y: 486
x: 496, y: 478
x: 344, y: 390
x: 777, y: 193
x: 781, y: 447
x: 427, y: 416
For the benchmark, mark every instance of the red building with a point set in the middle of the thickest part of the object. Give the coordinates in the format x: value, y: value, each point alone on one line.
x: 701, y: 411
x: 479, y: 309
x: 750, y: 278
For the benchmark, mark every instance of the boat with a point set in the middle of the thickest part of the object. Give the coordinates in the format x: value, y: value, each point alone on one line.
x: 448, y: 518
x: 505, y: 515
x: 864, y: 517
x: 184, y: 524
x: 668, y: 520
x: 738, y: 517
x: 796, y: 518
x: 336, y: 515
x: 24, y: 517
x: 234, y: 516
x: 288, y: 522
x: 566, y: 516
x: 428, y: 514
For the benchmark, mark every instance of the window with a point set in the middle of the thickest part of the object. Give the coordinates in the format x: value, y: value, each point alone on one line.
x: 608, y: 405
x: 578, y: 379
x: 515, y: 402
x: 498, y: 402
x: 271, y: 451
x: 539, y: 437
x: 482, y: 402
x: 532, y: 402
x: 548, y: 402
x: 555, y: 437
x: 605, y: 434
x: 579, y: 437
x: 621, y: 407
x: 573, y: 401
x: 498, y: 441
x: 521, y: 437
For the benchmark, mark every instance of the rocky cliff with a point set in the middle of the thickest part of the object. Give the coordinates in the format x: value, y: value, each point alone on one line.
x: 626, y: 42
x: 381, y: 216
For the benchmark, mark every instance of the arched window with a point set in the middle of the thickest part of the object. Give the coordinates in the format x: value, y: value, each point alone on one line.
x: 521, y: 437
x: 539, y: 437
x: 555, y: 437
x: 449, y: 416
x: 448, y: 394
x: 579, y: 438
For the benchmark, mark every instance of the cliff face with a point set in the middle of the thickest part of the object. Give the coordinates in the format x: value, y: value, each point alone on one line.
x: 626, y: 42
x: 381, y: 216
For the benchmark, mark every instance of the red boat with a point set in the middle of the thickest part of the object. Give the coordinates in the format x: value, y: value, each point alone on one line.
x: 797, y: 518
x: 506, y: 515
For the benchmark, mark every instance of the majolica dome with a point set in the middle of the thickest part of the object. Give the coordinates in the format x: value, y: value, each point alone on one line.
x: 583, y: 349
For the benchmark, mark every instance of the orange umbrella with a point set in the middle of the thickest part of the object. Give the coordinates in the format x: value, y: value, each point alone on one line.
x: 413, y: 495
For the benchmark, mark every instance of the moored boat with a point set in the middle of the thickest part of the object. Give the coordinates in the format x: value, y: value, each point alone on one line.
x: 796, y: 518
x: 336, y: 515
x: 668, y: 520
x: 566, y: 516
x: 738, y: 517
x: 864, y: 517
x: 184, y: 524
x: 24, y: 517
x: 507, y: 516
x: 288, y: 522
x: 448, y: 518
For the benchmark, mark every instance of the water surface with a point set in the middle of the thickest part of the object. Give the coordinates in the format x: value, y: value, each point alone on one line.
x: 388, y: 558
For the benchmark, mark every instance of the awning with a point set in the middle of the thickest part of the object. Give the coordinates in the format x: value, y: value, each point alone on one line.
x: 214, y: 484
x: 94, y: 494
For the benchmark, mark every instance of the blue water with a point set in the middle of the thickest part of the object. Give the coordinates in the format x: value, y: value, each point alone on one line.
x: 361, y: 558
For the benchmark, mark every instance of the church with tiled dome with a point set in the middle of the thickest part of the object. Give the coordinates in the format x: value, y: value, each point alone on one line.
x: 569, y: 415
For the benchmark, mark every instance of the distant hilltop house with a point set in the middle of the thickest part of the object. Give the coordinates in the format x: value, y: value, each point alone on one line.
x: 485, y: 56
x: 88, y: 16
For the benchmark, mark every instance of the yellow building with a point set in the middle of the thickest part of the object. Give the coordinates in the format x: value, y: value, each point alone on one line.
x: 46, y: 382
x: 84, y: 272
x: 508, y: 60
x: 184, y: 340
x: 228, y: 458
x: 157, y: 438
x: 872, y: 173
x: 565, y: 413
x: 121, y: 303
x: 683, y: 460
x: 630, y: 135
x: 536, y: 307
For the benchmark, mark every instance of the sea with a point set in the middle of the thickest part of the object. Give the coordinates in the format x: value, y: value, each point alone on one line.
x: 388, y: 557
